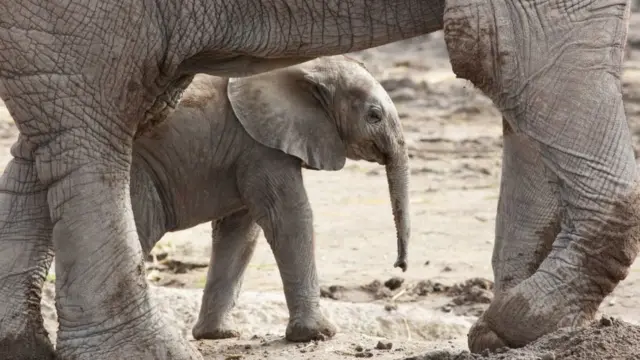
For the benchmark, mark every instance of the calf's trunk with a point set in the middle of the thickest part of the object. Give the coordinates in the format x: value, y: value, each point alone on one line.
x: 397, y: 169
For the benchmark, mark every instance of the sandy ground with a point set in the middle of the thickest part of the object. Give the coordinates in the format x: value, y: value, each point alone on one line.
x: 454, y: 134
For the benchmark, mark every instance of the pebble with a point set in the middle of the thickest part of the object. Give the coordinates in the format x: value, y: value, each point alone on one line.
x: 394, y: 283
x: 605, y: 321
x: 390, y: 307
x: 548, y: 356
x: 384, y: 346
x: 365, y: 354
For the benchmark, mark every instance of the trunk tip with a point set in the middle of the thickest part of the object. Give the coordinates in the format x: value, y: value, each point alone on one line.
x: 402, y: 264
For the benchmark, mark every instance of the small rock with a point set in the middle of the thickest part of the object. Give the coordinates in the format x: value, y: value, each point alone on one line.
x: 154, y: 275
x: 384, y: 346
x: 359, y: 348
x: 391, y: 307
x: 606, y: 321
x: 447, y: 308
x: 394, y: 283
x: 447, y: 269
x: 365, y: 354
x: 247, y: 347
x: 426, y: 263
x: 437, y: 287
x: 548, y: 356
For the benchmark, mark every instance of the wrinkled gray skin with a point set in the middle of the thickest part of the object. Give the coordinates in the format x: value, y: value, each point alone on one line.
x: 226, y: 158
x: 568, y: 215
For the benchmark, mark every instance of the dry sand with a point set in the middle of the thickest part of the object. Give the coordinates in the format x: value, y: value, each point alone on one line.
x: 454, y: 134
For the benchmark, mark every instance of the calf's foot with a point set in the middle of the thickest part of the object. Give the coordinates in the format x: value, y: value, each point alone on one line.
x: 214, y: 330
x: 310, y: 327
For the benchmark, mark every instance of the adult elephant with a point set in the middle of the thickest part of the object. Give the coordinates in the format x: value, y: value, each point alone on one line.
x: 82, y: 77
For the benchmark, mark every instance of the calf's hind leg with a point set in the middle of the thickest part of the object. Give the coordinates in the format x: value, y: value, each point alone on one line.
x: 233, y: 242
x: 25, y: 256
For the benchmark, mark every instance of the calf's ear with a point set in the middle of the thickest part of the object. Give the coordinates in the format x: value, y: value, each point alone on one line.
x: 289, y: 110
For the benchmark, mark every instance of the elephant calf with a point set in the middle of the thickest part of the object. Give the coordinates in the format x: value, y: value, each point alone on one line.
x: 232, y: 153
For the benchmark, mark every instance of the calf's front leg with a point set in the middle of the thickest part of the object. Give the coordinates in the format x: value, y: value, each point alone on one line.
x: 233, y: 243
x: 280, y: 205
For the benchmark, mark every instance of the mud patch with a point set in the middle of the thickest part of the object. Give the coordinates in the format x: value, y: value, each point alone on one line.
x: 470, y: 297
x: 606, y: 338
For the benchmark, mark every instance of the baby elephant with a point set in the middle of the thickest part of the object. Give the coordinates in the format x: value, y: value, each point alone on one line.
x: 232, y: 153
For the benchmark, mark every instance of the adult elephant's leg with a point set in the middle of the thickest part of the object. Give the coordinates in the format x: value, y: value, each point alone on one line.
x: 25, y: 257
x: 234, y: 241
x: 528, y: 218
x: 83, y: 154
x: 553, y: 68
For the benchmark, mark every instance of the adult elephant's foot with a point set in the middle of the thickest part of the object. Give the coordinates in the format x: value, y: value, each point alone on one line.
x: 214, y: 330
x: 149, y: 338
x: 570, y: 284
x: 309, y: 328
x: 522, y: 314
x: 29, y: 343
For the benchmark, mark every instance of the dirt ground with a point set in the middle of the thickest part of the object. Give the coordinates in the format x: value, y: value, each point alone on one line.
x: 454, y: 135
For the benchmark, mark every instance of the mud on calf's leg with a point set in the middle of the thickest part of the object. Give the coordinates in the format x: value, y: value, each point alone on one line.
x: 233, y: 243
x: 25, y: 256
x: 554, y: 72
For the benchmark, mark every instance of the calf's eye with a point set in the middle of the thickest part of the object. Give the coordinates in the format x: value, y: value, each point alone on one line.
x: 374, y: 115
